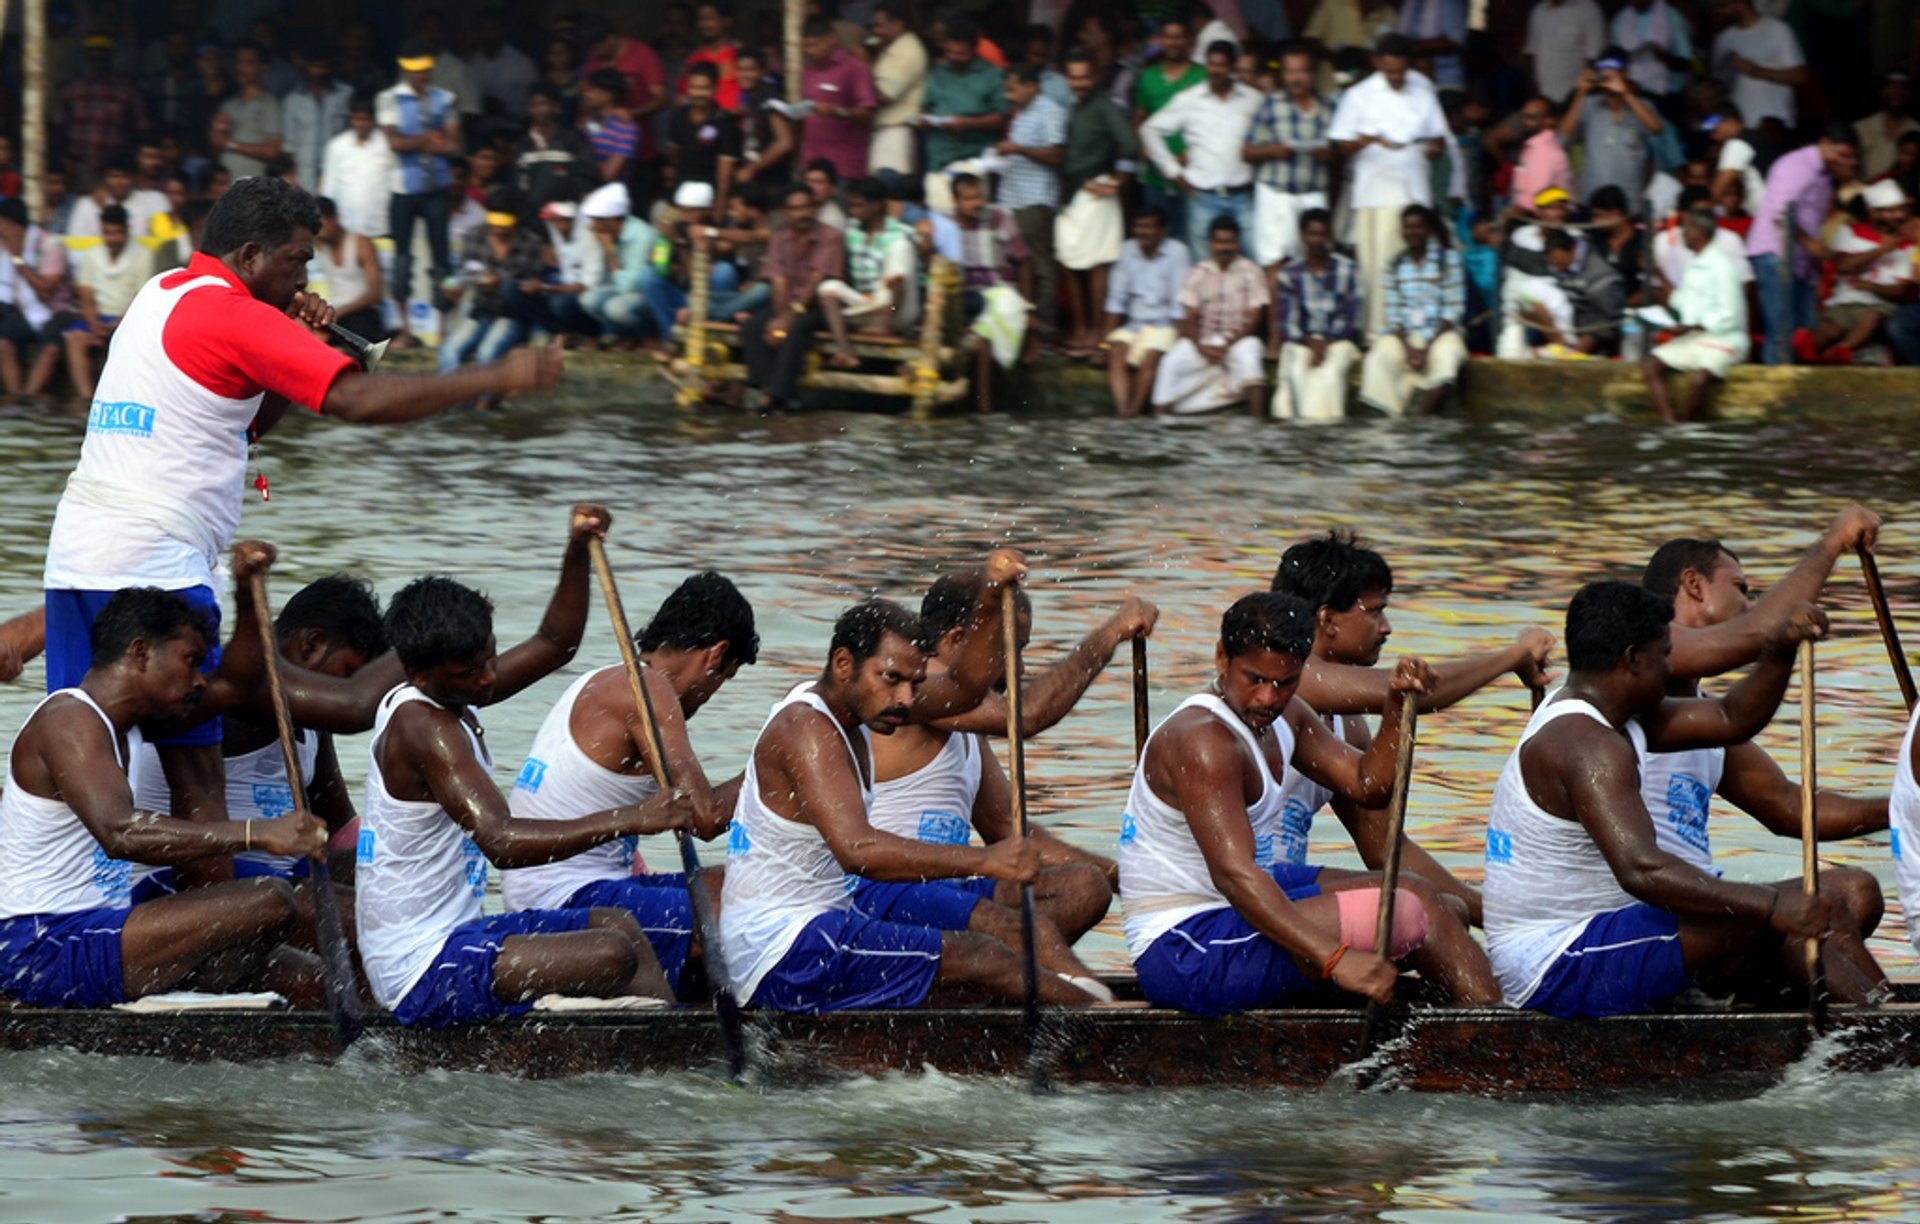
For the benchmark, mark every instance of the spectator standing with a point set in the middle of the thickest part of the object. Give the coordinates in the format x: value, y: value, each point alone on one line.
x: 1760, y: 62
x: 767, y: 137
x: 1736, y: 162
x: 1389, y: 126
x: 1029, y: 167
x: 1101, y: 154
x: 1658, y: 40
x: 118, y: 188
x: 97, y: 113
x: 1159, y: 83
x: 703, y: 141
x: 560, y: 72
x: 1563, y: 37
x: 346, y: 271
x: 450, y: 71
x: 1613, y: 127
x: 612, y: 131
x: 618, y: 306
x: 1347, y: 25
x: 839, y: 87
x: 1420, y: 349
x: 553, y: 160
x: 1142, y: 306
x: 1212, y: 174
x: 1437, y: 29
x: 639, y: 67
x: 1543, y: 161
x: 964, y: 110
x: 172, y: 94
x: 1219, y: 355
x: 359, y: 172
x: 104, y: 284
x: 504, y: 72
x: 1037, y: 49
x: 1710, y: 304
x: 1288, y: 147
x: 801, y: 257
x: 713, y: 24
x: 900, y: 83
x: 1318, y: 322
x: 1879, y: 133
x: 312, y: 115
x: 246, y: 132
x: 1798, y: 196
x: 422, y: 126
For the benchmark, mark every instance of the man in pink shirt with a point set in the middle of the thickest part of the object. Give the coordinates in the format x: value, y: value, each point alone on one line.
x: 840, y: 88
x: 1543, y: 160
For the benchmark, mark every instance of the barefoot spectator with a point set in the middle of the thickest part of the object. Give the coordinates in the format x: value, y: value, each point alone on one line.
x: 104, y: 284
x: 359, y: 172
x: 1029, y: 169
x: 1710, y: 304
x: 1417, y: 356
x: 1102, y: 155
x: 1217, y: 359
x: 1142, y: 309
x: 1319, y: 327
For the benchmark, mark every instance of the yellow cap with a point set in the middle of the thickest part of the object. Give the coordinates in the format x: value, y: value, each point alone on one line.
x: 505, y: 220
x: 419, y: 63
x: 1552, y: 195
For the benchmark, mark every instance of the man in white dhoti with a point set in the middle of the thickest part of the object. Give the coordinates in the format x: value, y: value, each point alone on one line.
x: 1711, y: 306
x: 1421, y: 349
x: 1288, y: 148
x: 1319, y: 325
x: 1218, y: 358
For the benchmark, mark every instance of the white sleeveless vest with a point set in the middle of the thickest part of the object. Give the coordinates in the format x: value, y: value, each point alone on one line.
x: 344, y: 280
x: 781, y: 874
x: 1163, y: 876
x: 560, y: 782
x: 1546, y: 879
x: 1678, y: 789
x: 1903, y: 819
x: 257, y: 789
x: 417, y: 874
x: 934, y: 803
x: 1301, y: 799
x: 156, y: 497
x: 49, y: 862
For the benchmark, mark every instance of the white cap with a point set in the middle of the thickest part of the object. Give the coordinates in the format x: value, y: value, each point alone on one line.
x: 608, y: 201
x: 1884, y: 194
x: 694, y: 195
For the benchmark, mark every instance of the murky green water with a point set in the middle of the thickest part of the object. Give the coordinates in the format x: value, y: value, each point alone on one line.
x: 1490, y: 529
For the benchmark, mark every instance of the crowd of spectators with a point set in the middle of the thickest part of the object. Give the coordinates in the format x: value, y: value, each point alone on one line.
x: 1249, y: 201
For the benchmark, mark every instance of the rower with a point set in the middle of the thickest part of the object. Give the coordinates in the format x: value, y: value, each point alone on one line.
x: 938, y: 783
x: 1348, y: 587
x: 592, y: 753
x: 22, y: 638
x: 1216, y: 922
x: 794, y: 939
x: 69, y: 831
x: 1707, y: 587
x: 1587, y: 915
x: 206, y: 359
x: 432, y: 820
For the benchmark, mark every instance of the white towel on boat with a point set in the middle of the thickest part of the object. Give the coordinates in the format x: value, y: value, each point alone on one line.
x: 574, y: 1003
x: 198, y: 1000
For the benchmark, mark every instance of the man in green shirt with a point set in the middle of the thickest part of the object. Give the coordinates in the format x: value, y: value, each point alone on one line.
x: 1102, y: 153
x: 966, y: 105
x: 1159, y: 81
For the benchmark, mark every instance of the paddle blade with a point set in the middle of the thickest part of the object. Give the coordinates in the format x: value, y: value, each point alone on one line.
x: 343, y: 989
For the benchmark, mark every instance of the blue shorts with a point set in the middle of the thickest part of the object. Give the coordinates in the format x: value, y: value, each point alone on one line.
x: 659, y: 903
x: 944, y: 905
x: 63, y: 960
x: 70, y: 617
x: 845, y: 960
x: 1625, y: 961
x: 458, y: 987
x: 80, y: 325
x: 163, y: 883
x: 1216, y: 963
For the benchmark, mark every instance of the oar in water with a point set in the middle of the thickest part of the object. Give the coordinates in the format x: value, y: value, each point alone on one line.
x: 1139, y: 697
x: 1809, y: 832
x: 1883, y: 612
x: 1390, y: 870
x: 343, y: 990
x: 1017, y: 776
x: 725, y: 1006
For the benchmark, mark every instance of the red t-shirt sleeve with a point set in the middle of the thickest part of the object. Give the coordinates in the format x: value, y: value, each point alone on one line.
x: 238, y: 346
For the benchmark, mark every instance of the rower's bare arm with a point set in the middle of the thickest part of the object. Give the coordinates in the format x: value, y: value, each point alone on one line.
x: 1747, y: 707
x: 553, y: 644
x: 1046, y: 700
x: 965, y: 684
x: 327, y: 793
x: 1368, y: 826
x: 21, y: 638
x: 388, y: 399
x: 241, y: 677
x: 711, y: 808
x: 347, y: 706
x: 1365, y: 778
x: 1754, y: 782
x: 1341, y: 688
x: 1735, y: 643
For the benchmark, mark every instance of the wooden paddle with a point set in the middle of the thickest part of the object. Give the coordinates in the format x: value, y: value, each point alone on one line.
x: 1809, y: 831
x: 1390, y: 870
x: 1017, y: 777
x: 725, y: 1006
x: 343, y: 990
x: 1139, y: 697
x: 1883, y: 612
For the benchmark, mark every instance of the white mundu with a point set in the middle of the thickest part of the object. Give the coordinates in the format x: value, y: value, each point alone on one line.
x: 417, y: 874
x: 1903, y: 819
x: 1163, y: 875
x: 560, y: 782
x: 257, y: 789
x: 49, y: 862
x: 1678, y: 789
x: 157, y: 494
x: 1546, y: 879
x: 781, y: 874
x: 934, y: 803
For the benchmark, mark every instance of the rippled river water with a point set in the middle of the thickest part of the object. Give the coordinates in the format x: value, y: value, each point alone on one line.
x: 1490, y: 528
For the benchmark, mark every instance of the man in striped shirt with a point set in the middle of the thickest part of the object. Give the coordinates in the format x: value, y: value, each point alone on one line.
x: 422, y: 126
x: 1288, y: 148
x: 1030, y: 183
x: 610, y: 130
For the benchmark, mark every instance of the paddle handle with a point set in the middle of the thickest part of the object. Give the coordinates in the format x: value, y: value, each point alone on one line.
x: 1809, y: 831
x: 1139, y: 697
x: 623, y: 637
x: 1396, y: 819
x: 1017, y: 780
x: 1883, y: 612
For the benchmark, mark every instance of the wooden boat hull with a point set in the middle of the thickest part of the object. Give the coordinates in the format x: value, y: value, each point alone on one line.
x: 1490, y: 1052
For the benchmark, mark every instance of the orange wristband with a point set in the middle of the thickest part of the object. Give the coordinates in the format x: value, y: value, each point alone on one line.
x: 1326, y: 970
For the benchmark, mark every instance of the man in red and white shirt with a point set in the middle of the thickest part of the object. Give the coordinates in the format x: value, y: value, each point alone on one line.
x: 206, y: 360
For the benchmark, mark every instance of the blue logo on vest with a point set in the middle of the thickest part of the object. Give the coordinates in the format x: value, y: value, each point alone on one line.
x: 1687, y: 810
x: 944, y: 829
x: 1127, y: 831
x: 272, y: 800
x: 476, y: 868
x: 738, y: 843
x: 363, y: 846
x: 113, y: 877
x: 1263, y: 850
x: 1896, y: 843
x: 1296, y: 823
x: 133, y: 420
x: 532, y: 774
x: 1499, y: 846
x: 630, y: 846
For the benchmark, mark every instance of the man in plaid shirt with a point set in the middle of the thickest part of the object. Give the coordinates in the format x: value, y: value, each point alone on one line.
x: 1421, y: 350
x: 98, y: 112
x: 1287, y: 146
x: 1030, y: 158
x: 1319, y: 326
x: 1219, y: 354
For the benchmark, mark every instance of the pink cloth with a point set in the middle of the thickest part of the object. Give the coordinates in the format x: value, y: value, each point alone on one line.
x: 1360, y: 919
x: 842, y: 81
x: 1543, y: 164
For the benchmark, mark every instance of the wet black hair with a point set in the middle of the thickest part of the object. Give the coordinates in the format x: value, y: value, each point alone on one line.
x: 1676, y: 557
x: 705, y: 609
x: 1268, y: 620
x: 1607, y: 619
x: 341, y: 606
x: 862, y: 627
x: 1332, y: 571
x: 949, y: 604
x: 435, y: 620
x: 146, y: 614
x: 260, y: 209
